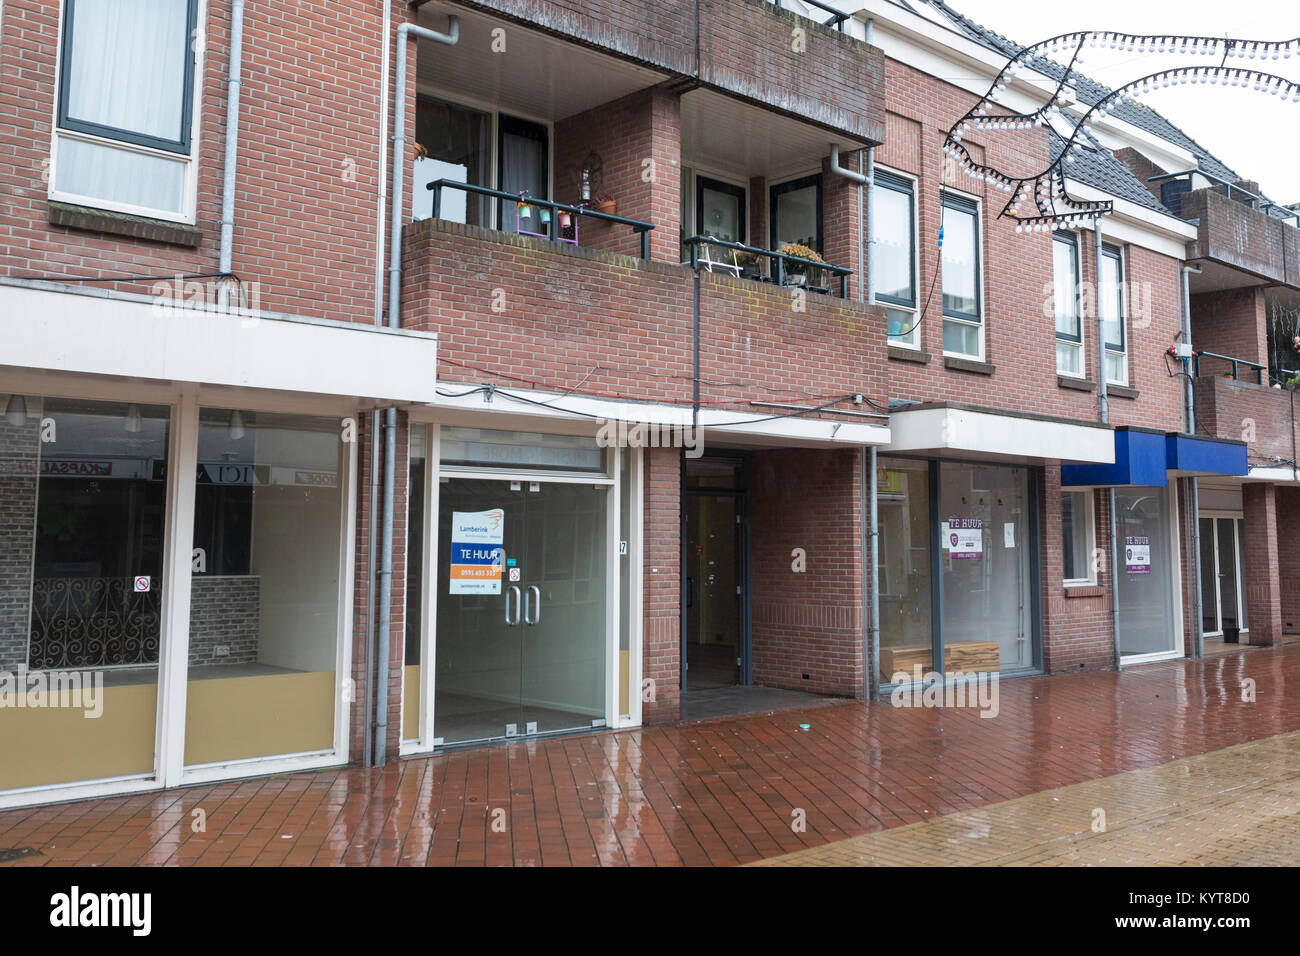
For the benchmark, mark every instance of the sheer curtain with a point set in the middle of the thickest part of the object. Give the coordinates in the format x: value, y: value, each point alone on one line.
x: 523, y: 167
x: 127, y: 65
x: 126, y: 71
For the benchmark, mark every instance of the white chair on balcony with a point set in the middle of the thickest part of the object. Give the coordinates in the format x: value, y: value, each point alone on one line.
x: 712, y: 265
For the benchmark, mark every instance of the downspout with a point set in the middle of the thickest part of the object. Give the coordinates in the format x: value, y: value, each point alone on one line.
x: 873, y: 575
x: 869, y: 246
x: 1193, y: 486
x: 397, y: 207
x: 1104, y: 413
x: 234, y: 75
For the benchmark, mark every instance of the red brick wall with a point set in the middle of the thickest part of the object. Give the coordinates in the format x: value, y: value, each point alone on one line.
x: 1265, y: 418
x: 1288, y: 555
x: 1078, y: 627
x: 629, y: 133
x: 623, y: 327
x: 662, y: 642
x: 308, y: 159
x: 1232, y: 322
x: 809, y: 622
x: 1262, y: 534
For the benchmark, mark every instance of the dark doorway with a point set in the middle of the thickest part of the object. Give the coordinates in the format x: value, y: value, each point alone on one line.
x: 715, y: 571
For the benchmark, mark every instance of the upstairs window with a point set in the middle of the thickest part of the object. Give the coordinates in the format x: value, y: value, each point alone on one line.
x: 894, y: 250
x: 126, y: 106
x: 1069, y: 338
x: 1110, y: 302
x: 963, y: 325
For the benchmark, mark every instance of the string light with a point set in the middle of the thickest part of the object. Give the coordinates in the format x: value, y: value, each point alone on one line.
x: 1048, y: 192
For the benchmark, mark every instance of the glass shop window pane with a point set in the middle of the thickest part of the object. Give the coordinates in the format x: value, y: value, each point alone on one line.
x: 985, y: 561
x: 264, y: 621
x: 416, y: 509
x: 904, y: 567
x: 82, y: 521
x: 493, y: 448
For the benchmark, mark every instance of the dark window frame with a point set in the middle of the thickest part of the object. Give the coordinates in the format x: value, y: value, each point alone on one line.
x: 971, y: 208
x: 1114, y: 252
x: 181, y: 146
x: 900, y: 184
x: 794, y: 185
x: 740, y: 192
x: 1070, y: 239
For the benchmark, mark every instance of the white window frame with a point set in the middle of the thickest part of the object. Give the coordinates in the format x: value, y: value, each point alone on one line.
x: 1090, y: 526
x: 189, y: 202
x: 1238, y: 530
x: 1112, y: 251
x: 979, y: 278
x: 1075, y: 240
x: 912, y: 340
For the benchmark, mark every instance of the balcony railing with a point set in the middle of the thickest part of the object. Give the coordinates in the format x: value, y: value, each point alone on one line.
x: 835, y: 20
x: 783, y: 269
x: 1234, y: 363
x: 553, y: 224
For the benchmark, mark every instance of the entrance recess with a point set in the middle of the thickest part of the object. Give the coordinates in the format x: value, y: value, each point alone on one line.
x: 1223, y: 575
x: 521, y: 608
x: 1146, y: 565
x: 713, y: 591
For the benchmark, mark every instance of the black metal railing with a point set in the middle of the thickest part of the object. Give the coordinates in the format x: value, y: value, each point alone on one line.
x: 836, y: 19
x: 780, y: 270
x: 637, y: 226
x: 1234, y: 363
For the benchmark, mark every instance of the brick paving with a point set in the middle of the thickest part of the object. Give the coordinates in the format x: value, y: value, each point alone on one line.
x: 726, y: 791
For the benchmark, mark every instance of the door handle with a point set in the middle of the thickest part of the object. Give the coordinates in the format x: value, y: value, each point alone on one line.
x: 515, y: 622
x: 533, y: 613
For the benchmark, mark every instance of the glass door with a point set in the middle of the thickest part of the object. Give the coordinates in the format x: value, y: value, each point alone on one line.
x: 1223, y: 583
x: 1147, y: 614
x: 521, y: 623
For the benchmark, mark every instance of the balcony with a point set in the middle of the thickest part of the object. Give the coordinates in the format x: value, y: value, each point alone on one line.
x: 1237, y: 244
x: 1235, y: 400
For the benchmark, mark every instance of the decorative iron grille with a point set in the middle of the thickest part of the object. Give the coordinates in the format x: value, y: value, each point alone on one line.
x: 93, y: 622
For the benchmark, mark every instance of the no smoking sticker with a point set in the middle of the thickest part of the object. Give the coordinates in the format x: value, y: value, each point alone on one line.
x: 142, y: 583
x: 514, y: 574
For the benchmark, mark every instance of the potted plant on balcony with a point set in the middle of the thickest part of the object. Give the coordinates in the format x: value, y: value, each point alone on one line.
x: 799, y: 273
x: 748, y: 263
x: 604, y: 202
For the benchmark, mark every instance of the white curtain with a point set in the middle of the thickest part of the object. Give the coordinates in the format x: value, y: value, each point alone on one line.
x: 97, y: 171
x: 127, y: 64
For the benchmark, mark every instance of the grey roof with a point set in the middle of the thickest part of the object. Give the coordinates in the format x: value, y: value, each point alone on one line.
x: 1100, y: 168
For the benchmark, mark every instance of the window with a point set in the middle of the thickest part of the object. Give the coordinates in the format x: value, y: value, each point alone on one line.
x: 962, y: 322
x: 125, y: 106
x: 895, y: 257
x: 1077, y: 537
x: 797, y: 213
x: 1069, y: 340
x: 719, y: 209
x: 456, y: 145
x: 1110, y: 302
x: 523, y: 151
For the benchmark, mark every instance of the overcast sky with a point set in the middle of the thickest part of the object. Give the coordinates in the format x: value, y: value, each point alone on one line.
x: 1256, y: 134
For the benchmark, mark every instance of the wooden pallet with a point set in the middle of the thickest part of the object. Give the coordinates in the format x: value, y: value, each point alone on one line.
x: 967, y: 657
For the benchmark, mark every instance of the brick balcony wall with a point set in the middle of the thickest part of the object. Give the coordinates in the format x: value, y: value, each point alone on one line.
x: 746, y: 48
x: 1233, y: 233
x: 810, y: 622
x: 623, y: 327
x: 1231, y: 322
x: 1233, y: 409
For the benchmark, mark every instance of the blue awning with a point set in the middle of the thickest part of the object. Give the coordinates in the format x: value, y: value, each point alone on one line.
x: 1200, y: 455
x: 1144, y: 458
x: 1140, y: 458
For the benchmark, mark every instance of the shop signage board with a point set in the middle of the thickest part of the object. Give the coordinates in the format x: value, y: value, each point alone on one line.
x: 1137, y: 554
x: 964, y: 538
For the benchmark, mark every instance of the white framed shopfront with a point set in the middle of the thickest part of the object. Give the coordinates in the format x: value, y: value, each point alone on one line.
x: 1173, y: 580
x: 1237, y: 518
x: 184, y: 402
x: 435, y: 554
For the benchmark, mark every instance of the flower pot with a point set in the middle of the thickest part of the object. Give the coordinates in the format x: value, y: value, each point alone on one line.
x: 609, y: 207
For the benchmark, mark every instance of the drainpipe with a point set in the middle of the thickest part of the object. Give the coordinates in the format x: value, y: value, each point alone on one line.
x: 869, y: 246
x: 873, y: 534
x: 1104, y: 413
x: 384, y: 616
x: 1193, y: 486
x: 234, y: 74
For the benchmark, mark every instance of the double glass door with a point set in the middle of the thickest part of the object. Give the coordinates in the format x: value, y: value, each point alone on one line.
x: 522, y: 601
x: 1223, y: 575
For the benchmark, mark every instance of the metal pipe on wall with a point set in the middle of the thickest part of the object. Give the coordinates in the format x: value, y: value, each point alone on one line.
x: 1193, y: 486
x: 234, y: 72
x: 383, y: 650
x: 873, y: 575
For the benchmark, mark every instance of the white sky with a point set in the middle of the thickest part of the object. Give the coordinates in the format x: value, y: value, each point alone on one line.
x: 1255, y: 134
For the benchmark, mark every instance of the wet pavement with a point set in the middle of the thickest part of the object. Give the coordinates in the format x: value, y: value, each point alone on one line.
x: 745, y: 789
